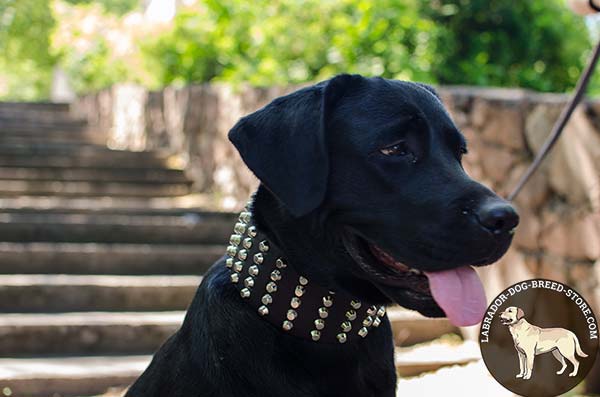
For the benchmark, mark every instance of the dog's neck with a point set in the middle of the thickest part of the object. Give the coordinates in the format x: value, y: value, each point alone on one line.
x: 289, y: 300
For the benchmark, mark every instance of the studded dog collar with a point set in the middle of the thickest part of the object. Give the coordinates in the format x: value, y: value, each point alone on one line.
x: 289, y: 300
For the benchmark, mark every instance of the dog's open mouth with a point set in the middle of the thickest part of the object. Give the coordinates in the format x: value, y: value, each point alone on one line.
x: 505, y: 321
x: 458, y: 291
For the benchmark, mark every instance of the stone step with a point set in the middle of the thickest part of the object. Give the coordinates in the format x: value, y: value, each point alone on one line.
x: 26, y: 293
x: 69, y: 376
x: 82, y: 158
x: 119, y: 259
x: 86, y: 333
x: 106, y: 204
x: 32, y: 107
x: 86, y: 188
x: 191, y: 228
x: 410, y: 327
x: 428, y: 357
x: 74, y: 149
x: 40, y: 128
x: 158, y: 175
x: 56, y: 137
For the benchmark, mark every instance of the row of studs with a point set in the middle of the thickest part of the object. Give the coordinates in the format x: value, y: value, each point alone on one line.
x: 374, y: 314
x: 295, y: 303
x: 271, y: 287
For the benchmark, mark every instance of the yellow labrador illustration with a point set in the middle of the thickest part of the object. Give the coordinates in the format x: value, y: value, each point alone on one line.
x: 531, y: 340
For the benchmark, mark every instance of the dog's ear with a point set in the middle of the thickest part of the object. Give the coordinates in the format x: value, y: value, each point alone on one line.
x: 520, y: 313
x: 285, y: 143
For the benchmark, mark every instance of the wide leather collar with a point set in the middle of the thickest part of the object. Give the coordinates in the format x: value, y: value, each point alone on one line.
x: 289, y: 300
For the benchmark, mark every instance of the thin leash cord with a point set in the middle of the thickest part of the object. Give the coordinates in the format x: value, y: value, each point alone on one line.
x: 560, y: 123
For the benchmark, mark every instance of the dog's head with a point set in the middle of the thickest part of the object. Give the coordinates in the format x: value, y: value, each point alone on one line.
x: 511, y: 315
x: 380, y: 160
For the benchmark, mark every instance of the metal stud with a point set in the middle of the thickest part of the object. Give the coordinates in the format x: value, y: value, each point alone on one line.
x: 263, y: 310
x: 249, y: 282
x: 231, y: 250
x: 238, y: 266
x: 381, y: 311
x: 323, y: 313
x: 291, y: 314
x: 252, y: 231
x: 319, y: 324
x: 245, y: 293
x: 376, y: 322
x: 342, y: 337
x: 363, y: 332
x: 367, y: 322
x: 275, y: 275
x: 245, y: 217
x: 258, y: 258
x: 287, y: 325
x: 280, y: 264
x: 240, y: 228
x: 266, y: 299
x: 253, y: 270
x: 235, y: 239
x: 234, y: 277
x: 303, y: 280
x: 242, y: 255
x: 295, y: 303
x: 229, y: 262
x: 315, y: 335
x: 346, y: 326
x: 271, y: 287
x: 351, y: 315
x: 299, y: 291
x: 327, y: 301
x: 247, y: 243
x: 371, y: 311
x: 263, y: 246
x: 355, y: 304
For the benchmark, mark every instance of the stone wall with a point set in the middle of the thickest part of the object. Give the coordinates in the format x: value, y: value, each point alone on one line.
x: 559, y: 235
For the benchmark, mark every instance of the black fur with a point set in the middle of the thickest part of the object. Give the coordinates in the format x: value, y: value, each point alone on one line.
x: 327, y: 190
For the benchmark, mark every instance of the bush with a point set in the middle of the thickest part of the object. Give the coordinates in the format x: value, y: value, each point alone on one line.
x: 536, y: 44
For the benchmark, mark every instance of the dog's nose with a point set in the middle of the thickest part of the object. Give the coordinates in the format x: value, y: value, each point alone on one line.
x: 498, y: 217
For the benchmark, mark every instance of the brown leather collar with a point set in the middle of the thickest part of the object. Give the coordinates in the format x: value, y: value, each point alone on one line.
x: 289, y: 300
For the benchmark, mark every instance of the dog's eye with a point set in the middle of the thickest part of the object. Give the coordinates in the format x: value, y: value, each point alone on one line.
x: 397, y: 149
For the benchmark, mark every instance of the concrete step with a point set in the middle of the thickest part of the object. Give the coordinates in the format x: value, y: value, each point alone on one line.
x: 410, y: 327
x: 158, y: 175
x: 119, y: 259
x: 106, y: 204
x: 432, y: 356
x: 192, y: 228
x: 69, y: 376
x: 57, y: 137
x: 31, y: 112
x: 87, y: 333
x: 78, y: 159
x: 26, y: 293
x: 60, y: 149
x: 84, y: 188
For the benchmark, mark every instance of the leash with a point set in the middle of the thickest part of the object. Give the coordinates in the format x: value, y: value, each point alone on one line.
x: 560, y: 123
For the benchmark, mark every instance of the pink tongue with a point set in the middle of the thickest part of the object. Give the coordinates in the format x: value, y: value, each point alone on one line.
x: 460, y: 294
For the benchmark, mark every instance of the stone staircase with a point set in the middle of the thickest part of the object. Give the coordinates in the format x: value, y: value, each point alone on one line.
x: 99, y: 257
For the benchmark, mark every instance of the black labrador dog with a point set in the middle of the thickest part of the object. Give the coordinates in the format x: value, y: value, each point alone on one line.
x: 363, y: 202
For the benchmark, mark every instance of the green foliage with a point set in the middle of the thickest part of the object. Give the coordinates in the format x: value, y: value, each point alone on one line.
x: 535, y: 44
x: 25, y: 59
x: 292, y: 41
x: 118, y: 7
